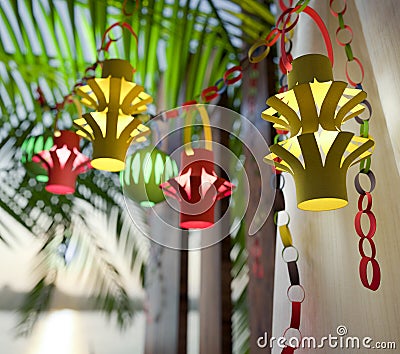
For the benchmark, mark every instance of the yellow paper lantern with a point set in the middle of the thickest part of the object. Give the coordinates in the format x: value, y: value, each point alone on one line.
x: 113, y: 125
x: 313, y: 100
x: 318, y: 154
x: 319, y: 163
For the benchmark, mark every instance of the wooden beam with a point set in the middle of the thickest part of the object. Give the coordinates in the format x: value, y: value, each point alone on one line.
x: 260, y: 289
x: 183, y: 296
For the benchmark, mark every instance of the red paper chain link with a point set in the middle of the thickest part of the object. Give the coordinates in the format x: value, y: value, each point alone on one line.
x: 107, y: 40
x: 284, y: 26
x: 319, y: 22
x: 230, y: 77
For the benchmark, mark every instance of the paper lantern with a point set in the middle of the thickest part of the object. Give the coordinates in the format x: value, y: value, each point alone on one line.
x: 144, y: 171
x: 313, y: 100
x: 112, y: 126
x: 63, y: 162
x: 319, y: 164
x: 318, y: 154
x: 31, y: 146
x: 197, y: 188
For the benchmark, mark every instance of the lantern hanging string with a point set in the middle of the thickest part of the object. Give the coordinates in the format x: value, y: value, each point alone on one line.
x: 287, y: 26
x: 107, y: 40
x: 365, y: 165
x: 187, y: 132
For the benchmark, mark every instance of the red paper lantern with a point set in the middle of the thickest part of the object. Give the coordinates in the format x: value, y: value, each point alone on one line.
x: 197, y: 188
x: 64, y: 162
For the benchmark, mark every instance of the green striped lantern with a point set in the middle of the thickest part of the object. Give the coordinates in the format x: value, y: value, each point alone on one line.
x: 144, y: 171
x: 31, y: 146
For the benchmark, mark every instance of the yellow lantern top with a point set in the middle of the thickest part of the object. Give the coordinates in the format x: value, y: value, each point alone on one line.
x: 313, y: 99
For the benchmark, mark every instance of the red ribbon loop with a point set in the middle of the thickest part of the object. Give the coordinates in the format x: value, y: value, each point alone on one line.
x: 361, y: 202
x: 105, y: 45
x: 371, y: 244
x: 376, y: 273
x: 372, y: 224
x: 209, y: 93
x: 230, y: 72
x: 321, y: 25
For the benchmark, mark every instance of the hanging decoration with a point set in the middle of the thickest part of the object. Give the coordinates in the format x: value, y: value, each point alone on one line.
x: 290, y: 254
x: 317, y: 158
x: 144, y: 171
x: 308, y: 113
x: 317, y: 154
x: 197, y: 188
x: 112, y: 127
x: 31, y: 146
x: 63, y: 162
x: 365, y: 166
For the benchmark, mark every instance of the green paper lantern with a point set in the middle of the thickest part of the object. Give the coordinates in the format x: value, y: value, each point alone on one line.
x: 31, y: 146
x: 145, y: 170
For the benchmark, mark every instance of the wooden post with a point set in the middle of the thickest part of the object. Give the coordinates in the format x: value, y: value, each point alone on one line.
x: 260, y: 290
x: 183, y: 295
x: 226, y: 267
x: 210, y: 299
x: 163, y: 295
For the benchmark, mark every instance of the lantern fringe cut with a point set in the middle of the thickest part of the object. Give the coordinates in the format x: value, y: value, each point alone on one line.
x: 197, y: 187
x: 317, y: 154
x: 63, y: 162
x: 144, y: 171
x: 113, y: 125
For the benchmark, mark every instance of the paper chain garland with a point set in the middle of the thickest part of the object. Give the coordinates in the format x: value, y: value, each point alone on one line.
x: 374, y: 283
x: 285, y: 232
x: 294, y: 277
x: 278, y: 182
